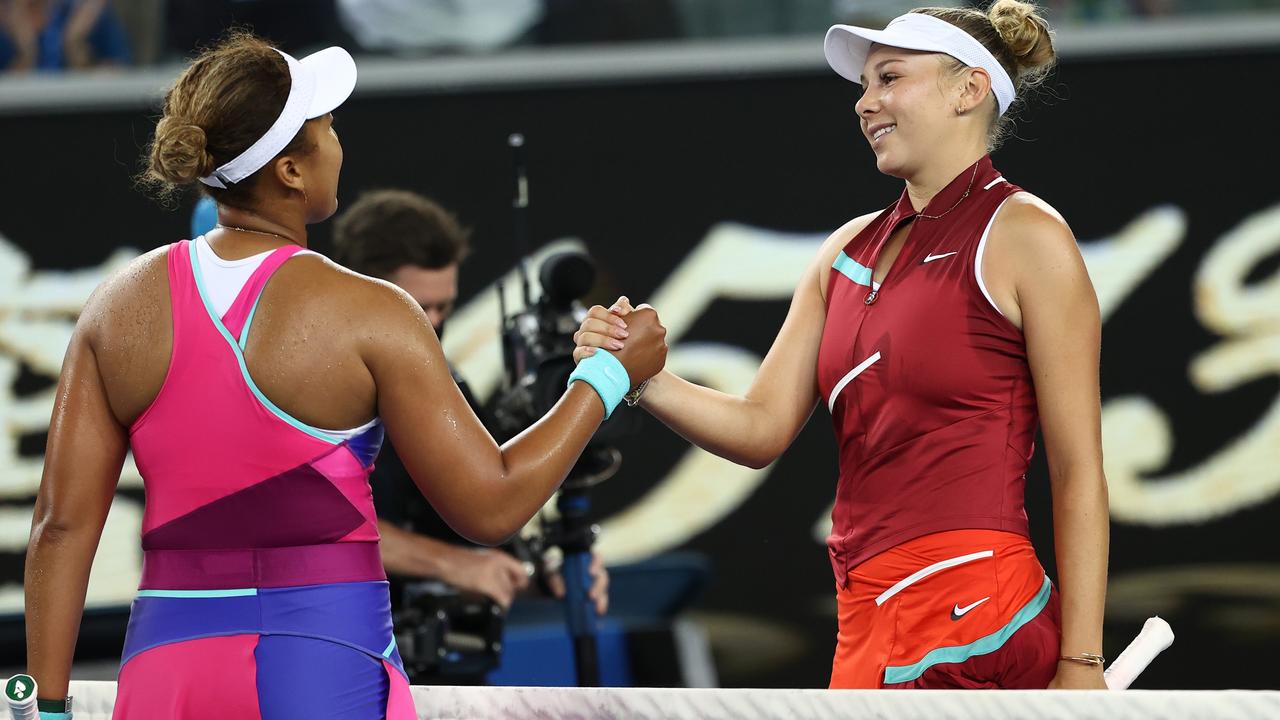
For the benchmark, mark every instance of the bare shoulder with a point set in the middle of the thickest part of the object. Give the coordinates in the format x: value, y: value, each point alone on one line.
x: 127, y: 325
x: 135, y: 294
x: 1030, y: 232
x: 374, y: 305
x: 835, y: 243
x: 1032, y: 262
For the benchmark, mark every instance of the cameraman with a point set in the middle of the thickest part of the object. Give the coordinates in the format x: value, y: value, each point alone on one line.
x: 409, y: 240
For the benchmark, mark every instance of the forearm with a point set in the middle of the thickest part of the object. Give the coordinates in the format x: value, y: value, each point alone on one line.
x: 56, y: 580
x: 413, y: 555
x: 494, y: 496
x: 1081, y: 523
x: 85, y: 450
x: 734, y: 427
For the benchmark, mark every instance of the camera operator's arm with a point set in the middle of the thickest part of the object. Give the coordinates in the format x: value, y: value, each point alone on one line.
x: 492, y: 573
x: 756, y: 428
x: 485, y: 492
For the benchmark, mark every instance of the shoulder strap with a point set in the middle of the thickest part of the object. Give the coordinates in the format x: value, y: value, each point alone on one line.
x: 240, y: 314
x: 184, y: 300
x: 183, y: 292
x: 179, y: 262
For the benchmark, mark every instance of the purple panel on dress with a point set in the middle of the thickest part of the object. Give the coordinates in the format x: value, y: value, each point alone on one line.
x: 368, y: 444
x: 300, y: 677
x: 157, y: 621
x: 356, y: 615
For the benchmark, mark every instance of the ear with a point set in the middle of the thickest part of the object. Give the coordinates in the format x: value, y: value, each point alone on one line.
x: 288, y: 172
x: 975, y: 88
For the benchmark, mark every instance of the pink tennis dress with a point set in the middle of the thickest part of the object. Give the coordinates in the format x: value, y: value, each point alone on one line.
x: 263, y: 594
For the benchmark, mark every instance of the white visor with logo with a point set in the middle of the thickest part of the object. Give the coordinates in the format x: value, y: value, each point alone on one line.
x: 320, y: 82
x: 847, y: 47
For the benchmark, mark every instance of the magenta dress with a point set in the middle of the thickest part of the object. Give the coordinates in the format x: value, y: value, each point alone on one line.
x: 263, y: 594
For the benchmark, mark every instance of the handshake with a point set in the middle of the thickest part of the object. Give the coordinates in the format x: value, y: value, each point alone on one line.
x: 633, y: 337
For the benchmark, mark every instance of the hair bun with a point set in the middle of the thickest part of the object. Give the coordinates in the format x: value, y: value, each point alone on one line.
x: 1025, y: 33
x: 180, y: 154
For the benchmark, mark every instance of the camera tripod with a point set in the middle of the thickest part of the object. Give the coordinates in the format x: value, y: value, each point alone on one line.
x: 574, y: 533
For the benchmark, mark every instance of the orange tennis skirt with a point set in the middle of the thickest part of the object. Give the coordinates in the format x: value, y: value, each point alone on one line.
x: 955, y: 609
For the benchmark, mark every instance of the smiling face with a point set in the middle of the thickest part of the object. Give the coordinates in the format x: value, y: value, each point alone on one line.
x: 906, y: 109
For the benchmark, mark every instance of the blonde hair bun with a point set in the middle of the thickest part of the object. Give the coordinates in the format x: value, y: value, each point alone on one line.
x: 1025, y: 33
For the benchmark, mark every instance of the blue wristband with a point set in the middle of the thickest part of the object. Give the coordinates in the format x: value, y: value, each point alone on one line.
x: 605, y: 373
x: 55, y: 716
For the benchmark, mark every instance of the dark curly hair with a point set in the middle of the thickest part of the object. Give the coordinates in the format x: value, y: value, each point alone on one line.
x: 385, y: 230
x: 222, y: 103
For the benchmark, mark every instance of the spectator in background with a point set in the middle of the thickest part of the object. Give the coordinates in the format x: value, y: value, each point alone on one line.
x: 60, y: 35
x: 143, y: 22
x: 292, y: 25
x: 1094, y: 11
x: 421, y: 26
x: 413, y: 242
x: 568, y: 22
x: 757, y: 18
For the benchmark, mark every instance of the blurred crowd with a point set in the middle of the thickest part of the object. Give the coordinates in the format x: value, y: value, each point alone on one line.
x: 57, y: 35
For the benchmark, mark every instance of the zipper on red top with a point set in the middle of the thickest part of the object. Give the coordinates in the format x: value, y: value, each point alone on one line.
x: 875, y: 258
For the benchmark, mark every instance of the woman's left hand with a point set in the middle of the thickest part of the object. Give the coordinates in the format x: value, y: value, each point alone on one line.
x: 603, y: 329
x: 1075, y: 676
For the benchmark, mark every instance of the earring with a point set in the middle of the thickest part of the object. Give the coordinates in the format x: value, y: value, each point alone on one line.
x: 960, y: 111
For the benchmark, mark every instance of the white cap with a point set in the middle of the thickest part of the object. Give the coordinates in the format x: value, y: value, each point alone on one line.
x: 847, y: 48
x: 319, y: 83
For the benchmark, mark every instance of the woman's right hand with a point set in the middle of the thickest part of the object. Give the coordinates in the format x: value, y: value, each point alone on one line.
x: 603, y: 328
x: 639, y: 341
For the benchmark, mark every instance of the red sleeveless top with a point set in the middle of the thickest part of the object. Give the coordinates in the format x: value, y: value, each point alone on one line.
x: 927, y: 383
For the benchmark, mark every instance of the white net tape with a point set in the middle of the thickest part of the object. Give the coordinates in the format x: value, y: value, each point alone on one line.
x: 93, y: 701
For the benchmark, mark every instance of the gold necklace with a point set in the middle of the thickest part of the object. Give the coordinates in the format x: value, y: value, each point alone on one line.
x: 875, y: 292
x: 962, y: 197
x: 256, y: 232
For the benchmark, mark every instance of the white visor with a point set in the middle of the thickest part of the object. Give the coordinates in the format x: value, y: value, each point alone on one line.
x: 847, y: 48
x: 319, y: 83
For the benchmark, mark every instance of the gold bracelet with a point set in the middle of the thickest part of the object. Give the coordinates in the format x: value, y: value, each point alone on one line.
x: 1086, y: 659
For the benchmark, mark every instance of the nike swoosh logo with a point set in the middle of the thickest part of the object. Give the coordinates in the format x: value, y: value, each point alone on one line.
x: 958, y: 612
x: 931, y: 258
